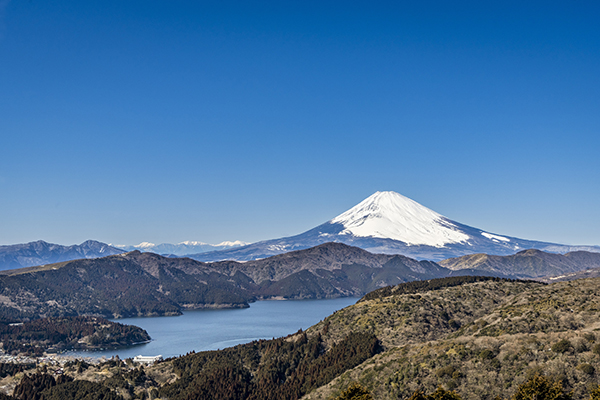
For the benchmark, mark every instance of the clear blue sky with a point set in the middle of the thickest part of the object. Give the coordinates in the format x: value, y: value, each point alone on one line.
x: 164, y: 121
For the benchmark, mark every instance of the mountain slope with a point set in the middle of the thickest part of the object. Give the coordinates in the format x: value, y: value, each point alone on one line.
x: 480, y: 339
x: 113, y: 287
x: 389, y: 215
x: 40, y: 252
x: 139, y: 284
x: 390, y: 223
x: 329, y: 257
x: 525, y: 264
x: 588, y: 273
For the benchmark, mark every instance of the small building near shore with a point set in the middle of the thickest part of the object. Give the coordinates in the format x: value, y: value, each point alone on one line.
x: 148, y: 360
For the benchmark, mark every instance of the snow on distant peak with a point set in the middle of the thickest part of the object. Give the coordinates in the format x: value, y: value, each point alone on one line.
x: 389, y: 215
x: 192, y: 243
x: 495, y: 237
x: 145, y: 245
x: 232, y: 244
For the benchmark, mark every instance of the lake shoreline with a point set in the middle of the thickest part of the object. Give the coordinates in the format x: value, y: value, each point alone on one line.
x: 217, y: 328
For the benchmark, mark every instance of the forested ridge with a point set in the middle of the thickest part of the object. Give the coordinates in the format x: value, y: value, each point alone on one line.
x: 145, y: 284
x: 112, y: 287
x: 284, y: 368
x: 67, y: 333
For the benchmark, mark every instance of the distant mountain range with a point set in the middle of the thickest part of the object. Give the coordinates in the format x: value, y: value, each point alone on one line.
x: 390, y: 223
x: 40, y: 252
x: 526, y: 264
x: 384, y: 223
x: 146, y: 284
x: 181, y: 249
x: 587, y: 274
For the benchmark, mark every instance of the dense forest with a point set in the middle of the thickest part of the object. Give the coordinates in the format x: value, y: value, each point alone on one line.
x: 112, y: 287
x: 279, y: 369
x: 66, y: 333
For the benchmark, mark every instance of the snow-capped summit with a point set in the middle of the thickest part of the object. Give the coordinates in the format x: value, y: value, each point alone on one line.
x: 387, y: 222
x: 389, y: 215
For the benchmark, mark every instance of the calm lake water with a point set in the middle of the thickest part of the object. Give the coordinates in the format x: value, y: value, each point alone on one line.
x: 217, y: 329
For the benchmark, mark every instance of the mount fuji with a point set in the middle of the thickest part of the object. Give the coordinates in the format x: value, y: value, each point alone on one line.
x: 389, y: 223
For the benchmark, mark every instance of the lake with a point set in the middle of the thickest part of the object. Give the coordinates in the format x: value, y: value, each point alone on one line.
x: 216, y: 329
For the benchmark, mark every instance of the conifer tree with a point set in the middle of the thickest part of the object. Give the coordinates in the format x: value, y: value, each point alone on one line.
x: 541, y: 388
x: 595, y: 394
x: 355, y: 392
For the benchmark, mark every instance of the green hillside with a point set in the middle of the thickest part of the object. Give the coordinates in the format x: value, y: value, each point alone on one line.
x: 508, y: 332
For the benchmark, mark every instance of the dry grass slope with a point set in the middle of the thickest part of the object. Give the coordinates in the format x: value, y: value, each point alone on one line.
x: 509, y: 332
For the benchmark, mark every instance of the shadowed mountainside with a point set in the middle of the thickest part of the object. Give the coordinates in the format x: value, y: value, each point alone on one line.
x: 145, y: 284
